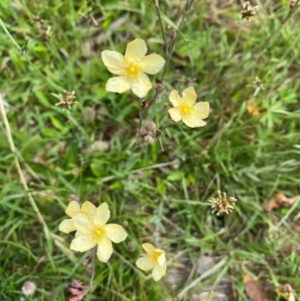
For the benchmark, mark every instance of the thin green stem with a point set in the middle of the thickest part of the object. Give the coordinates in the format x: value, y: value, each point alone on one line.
x: 156, y: 4
x: 10, y: 36
x: 18, y: 167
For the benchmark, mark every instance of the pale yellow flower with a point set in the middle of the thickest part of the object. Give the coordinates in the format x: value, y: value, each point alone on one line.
x: 73, y: 209
x: 131, y: 68
x: 154, y: 260
x: 186, y: 110
x: 95, y: 231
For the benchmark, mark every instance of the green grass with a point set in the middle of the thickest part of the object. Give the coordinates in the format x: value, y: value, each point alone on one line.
x: 249, y: 157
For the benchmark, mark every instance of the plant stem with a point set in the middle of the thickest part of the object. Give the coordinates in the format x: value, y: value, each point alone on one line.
x: 156, y: 4
x: 10, y: 36
x: 18, y: 167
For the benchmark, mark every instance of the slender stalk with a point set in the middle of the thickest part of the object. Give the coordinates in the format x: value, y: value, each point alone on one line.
x: 10, y: 36
x: 210, y: 272
x: 156, y: 4
x: 18, y: 167
x: 93, y: 254
x: 172, y: 48
x: 131, y: 265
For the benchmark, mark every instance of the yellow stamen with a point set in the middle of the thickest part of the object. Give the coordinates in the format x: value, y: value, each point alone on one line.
x: 98, y: 233
x: 185, y: 108
x: 132, y: 67
x: 155, y: 254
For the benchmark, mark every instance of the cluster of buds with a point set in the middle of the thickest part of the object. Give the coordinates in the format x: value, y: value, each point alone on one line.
x: 248, y: 11
x: 45, y: 30
x: 222, y: 203
x: 150, y: 132
x: 78, y: 290
x: 257, y: 83
x: 67, y: 99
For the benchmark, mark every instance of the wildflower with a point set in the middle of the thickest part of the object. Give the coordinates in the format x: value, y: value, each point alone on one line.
x: 67, y: 99
x: 186, y: 110
x: 73, y: 209
x: 248, y: 11
x: 94, y: 231
x: 154, y: 260
x: 223, y: 203
x: 131, y: 68
x: 257, y: 83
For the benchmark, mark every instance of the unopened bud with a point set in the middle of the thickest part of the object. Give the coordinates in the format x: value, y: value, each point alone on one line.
x: 143, y: 131
x: 29, y: 288
x: 173, y: 35
x: 292, y: 4
x: 158, y: 87
x: 149, y: 139
x: 158, y: 133
x: 144, y: 104
x: 151, y: 126
x: 124, y: 224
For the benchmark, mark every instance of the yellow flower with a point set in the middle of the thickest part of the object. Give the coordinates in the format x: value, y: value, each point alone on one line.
x: 154, y: 260
x: 73, y: 209
x: 94, y: 231
x: 131, y: 68
x: 186, y: 110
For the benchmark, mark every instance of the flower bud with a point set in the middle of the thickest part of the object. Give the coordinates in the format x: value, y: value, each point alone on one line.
x: 158, y: 87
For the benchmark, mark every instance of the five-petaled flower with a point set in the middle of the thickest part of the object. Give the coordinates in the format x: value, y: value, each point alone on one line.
x: 155, y: 259
x: 131, y: 68
x: 73, y: 209
x: 186, y: 110
x: 94, y: 231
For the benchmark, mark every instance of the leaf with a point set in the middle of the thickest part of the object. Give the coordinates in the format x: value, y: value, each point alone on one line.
x: 280, y: 201
x: 252, y: 108
x: 254, y: 290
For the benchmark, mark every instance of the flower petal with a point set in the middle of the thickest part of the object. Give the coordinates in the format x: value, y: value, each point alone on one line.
x: 113, y: 61
x: 148, y: 248
x: 115, y: 233
x: 162, y: 259
x: 141, y: 85
x: 82, y: 223
x: 174, y: 98
x: 82, y: 243
x: 190, y: 95
x: 67, y: 226
x: 175, y: 114
x: 193, y: 121
x: 145, y: 263
x: 119, y: 84
x: 105, y: 249
x: 136, y: 49
x: 202, y: 109
x: 73, y: 209
x: 101, y: 215
x: 153, y: 63
x: 158, y: 272
x: 88, y: 208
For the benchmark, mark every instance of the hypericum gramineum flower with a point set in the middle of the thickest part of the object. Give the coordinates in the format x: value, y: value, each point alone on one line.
x: 186, y: 110
x: 131, y: 68
x: 154, y: 260
x: 95, y: 231
x: 73, y: 209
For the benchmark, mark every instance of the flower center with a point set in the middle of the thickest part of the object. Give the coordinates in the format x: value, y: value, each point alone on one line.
x: 185, y: 108
x: 132, y: 67
x: 98, y: 233
x: 155, y: 254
